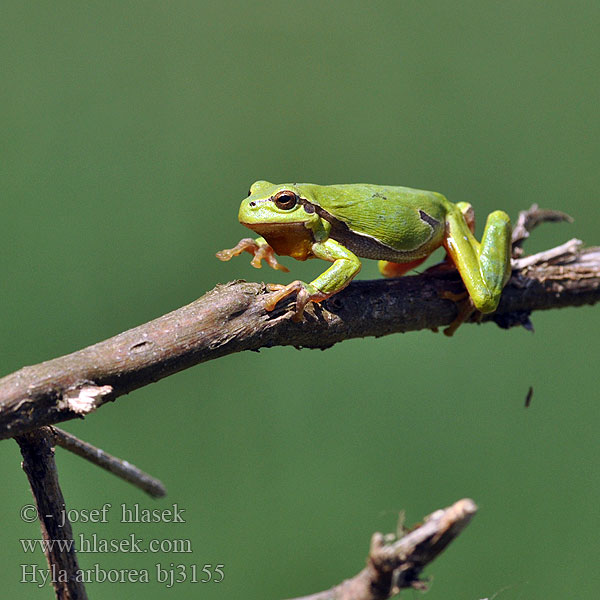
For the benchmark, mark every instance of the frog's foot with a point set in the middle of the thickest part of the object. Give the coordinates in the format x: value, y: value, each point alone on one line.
x: 259, y: 252
x: 465, y: 309
x: 305, y: 293
x: 266, y: 253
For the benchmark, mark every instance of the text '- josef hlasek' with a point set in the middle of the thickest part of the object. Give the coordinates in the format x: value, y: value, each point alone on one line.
x: 133, y: 513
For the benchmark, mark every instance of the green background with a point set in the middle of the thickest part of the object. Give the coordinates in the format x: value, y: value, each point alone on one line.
x: 131, y: 131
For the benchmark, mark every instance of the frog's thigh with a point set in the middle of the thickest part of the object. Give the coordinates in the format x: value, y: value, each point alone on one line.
x: 468, y: 214
x: 392, y: 269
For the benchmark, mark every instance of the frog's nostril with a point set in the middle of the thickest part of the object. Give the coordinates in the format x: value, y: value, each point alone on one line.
x: 252, y: 204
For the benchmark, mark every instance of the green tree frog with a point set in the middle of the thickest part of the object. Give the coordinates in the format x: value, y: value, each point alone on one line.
x: 398, y: 226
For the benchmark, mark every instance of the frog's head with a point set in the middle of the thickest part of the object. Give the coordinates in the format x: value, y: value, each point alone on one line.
x: 282, y: 214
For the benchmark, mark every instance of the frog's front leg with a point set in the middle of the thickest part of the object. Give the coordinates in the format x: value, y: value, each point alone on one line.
x: 260, y: 250
x: 484, y: 267
x: 345, y: 266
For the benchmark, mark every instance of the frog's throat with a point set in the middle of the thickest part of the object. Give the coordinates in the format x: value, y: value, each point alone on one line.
x: 286, y: 239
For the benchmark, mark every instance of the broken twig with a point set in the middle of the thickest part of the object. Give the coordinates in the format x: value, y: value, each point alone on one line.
x: 394, y: 565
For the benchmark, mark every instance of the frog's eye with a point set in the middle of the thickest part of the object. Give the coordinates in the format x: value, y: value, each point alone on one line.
x: 285, y: 200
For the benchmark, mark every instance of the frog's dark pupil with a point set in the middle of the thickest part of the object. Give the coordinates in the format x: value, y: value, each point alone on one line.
x: 286, y: 200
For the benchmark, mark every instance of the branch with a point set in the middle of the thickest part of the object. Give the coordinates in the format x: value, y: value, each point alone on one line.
x: 231, y: 318
x: 39, y: 465
x: 393, y: 565
x: 121, y: 468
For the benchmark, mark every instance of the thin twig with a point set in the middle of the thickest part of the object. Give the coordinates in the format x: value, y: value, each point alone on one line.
x: 394, y: 565
x: 565, y: 251
x: 40, y: 467
x: 529, y: 219
x: 120, y: 468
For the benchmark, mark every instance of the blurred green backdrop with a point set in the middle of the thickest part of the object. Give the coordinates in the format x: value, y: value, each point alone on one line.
x: 131, y: 131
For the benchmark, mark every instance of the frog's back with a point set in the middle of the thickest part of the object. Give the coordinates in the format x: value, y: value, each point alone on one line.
x: 409, y: 222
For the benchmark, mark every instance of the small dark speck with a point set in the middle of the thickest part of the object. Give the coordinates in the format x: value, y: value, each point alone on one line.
x: 378, y: 195
x: 528, y: 397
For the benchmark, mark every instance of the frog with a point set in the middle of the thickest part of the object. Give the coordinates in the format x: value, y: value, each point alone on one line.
x: 397, y: 226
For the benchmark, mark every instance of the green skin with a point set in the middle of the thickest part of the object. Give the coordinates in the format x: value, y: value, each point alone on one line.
x: 398, y: 226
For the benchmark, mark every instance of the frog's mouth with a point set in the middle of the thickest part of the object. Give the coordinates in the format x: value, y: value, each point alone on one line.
x: 286, y: 239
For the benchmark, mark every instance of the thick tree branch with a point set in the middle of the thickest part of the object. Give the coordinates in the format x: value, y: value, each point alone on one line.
x: 40, y: 467
x: 231, y: 318
x: 394, y: 565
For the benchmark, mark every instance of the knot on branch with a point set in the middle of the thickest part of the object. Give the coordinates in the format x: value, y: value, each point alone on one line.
x: 84, y: 399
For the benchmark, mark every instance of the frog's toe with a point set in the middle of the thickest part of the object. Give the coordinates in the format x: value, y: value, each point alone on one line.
x: 225, y: 255
x: 245, y: 245
x: 465, y: 309
x: 304, y: 294
x: 302, y: 299
x: 448, y: 295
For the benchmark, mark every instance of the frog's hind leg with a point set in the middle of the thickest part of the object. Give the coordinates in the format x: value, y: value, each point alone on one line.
x: 484, y: 267
x: 448, y: 264
x: 393, y: 269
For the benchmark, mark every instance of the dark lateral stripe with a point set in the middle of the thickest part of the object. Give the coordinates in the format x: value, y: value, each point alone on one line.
x: 364, y: 245
x: 433, y: 223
